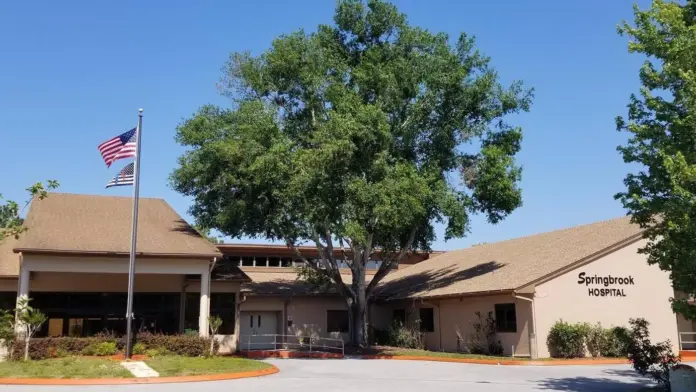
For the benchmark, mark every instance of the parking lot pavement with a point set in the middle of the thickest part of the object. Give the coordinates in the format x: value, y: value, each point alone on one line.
x: 307, y: 375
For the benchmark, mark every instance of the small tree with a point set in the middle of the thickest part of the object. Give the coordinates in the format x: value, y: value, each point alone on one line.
x: 11, y: 224
x: 653, y: 359
x: 7, y: 329
x: 214, y: 323
x: 29, y: 321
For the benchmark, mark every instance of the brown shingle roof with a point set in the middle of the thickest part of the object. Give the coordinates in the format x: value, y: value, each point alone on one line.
x: 284, y: 282
x: 9, y: 261
x: 506, y: 265
x: 87, y: 223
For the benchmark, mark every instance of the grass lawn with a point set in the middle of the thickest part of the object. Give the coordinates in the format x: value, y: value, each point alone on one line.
x: 73, y: 367
x: 187, y: 366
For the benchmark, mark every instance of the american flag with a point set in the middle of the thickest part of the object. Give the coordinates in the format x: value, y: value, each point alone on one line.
x: 124, y: 177
x: 122, y: 146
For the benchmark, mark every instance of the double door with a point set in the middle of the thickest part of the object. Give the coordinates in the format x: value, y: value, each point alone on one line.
x: 258, y: 330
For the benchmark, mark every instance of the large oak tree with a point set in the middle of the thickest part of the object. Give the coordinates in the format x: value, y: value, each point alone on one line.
x: 661, y: 194
x: 357, y: 138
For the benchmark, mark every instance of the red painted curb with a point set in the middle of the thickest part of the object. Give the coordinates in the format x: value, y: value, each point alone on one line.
x: 288, y: 354
x: 507, y: 362
x: 123, y: 381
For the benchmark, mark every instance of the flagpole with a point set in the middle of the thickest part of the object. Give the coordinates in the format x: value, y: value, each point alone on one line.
x: 134, y: 239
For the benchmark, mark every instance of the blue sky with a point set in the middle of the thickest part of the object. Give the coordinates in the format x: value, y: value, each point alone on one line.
x: 74, y: 73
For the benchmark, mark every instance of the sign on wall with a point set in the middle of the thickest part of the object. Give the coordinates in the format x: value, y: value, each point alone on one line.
x: 609, y: 286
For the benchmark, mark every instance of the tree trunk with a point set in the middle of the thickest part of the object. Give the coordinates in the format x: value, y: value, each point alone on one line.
x: 26, y: 348
x: 359, y: 320
x: 212, y: 344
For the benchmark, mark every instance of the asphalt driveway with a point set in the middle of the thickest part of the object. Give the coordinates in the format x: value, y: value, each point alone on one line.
x: 307, y: 375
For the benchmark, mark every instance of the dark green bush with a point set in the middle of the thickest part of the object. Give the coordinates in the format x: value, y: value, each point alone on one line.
x: 567, y: 340
x: 615, y: 342
x: 186, y: 345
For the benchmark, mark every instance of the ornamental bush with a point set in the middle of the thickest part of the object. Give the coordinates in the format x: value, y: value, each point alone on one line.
x: 567, y: 340
x: 615, y: 342
x: 185, y: 345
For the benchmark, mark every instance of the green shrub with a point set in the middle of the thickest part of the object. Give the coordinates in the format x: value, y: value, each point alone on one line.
x: 190, y: 332
x: 567, y: 340
x: 139, y: 349
x: 400, y: 335
x: 595, y: 339
x: 185, y: 345
x: 615, y: 342
x: 101, y: 349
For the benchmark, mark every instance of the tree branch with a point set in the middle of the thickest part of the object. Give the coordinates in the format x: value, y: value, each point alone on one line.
x: 387, y: 264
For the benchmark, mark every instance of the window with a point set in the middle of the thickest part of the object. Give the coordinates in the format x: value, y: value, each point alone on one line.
x: 505, y: 318
x: 223, y: 306
x: 399, y: 316
x: 336, y: 321
x: 427, y: 320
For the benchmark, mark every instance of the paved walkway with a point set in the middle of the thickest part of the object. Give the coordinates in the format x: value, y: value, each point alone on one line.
x: 307, y: 375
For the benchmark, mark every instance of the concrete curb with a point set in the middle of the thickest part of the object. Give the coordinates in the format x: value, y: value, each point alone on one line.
x: 124, y: 381
x: 504, y: 362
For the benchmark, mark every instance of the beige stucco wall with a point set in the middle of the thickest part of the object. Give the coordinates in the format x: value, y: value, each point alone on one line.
x: 307, y: 313
x: 451, y: 314
x: 9, y: 284
x: 115, y: 264
x: 563, y: 298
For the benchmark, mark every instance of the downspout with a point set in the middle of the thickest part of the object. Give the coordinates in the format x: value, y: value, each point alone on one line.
x: 533, y: 349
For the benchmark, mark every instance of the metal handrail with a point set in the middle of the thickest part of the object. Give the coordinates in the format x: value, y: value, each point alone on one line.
x: 285, y: 342
x: 682, y: 341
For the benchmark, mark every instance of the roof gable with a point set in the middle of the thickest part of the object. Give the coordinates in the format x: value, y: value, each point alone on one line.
x: 506, y: 265
x: 90, y: 224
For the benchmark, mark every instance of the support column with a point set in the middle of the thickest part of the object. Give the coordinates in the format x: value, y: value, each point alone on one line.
x: 204, y: 311
x: 22, y: 291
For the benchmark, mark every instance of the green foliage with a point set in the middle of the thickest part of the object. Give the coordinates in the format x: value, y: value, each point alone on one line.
x: 567, y: 340
x: 139, y: 349
x: 661, y: 196
x: 190, y: 332
x: 29, y: 320
x: 184, y: 345
x: 615, y: 342
x: 355, y: 134
x: 205, y: 233
x: 101, y: 349
x: 317, y: 279
x: 405, y: 336
x: 652, y: 359
x: 595, y: 339
x: 11, y: 224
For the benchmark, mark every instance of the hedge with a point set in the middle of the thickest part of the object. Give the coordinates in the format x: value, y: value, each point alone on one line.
x: 43, y: 348
x: 567, y: 340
